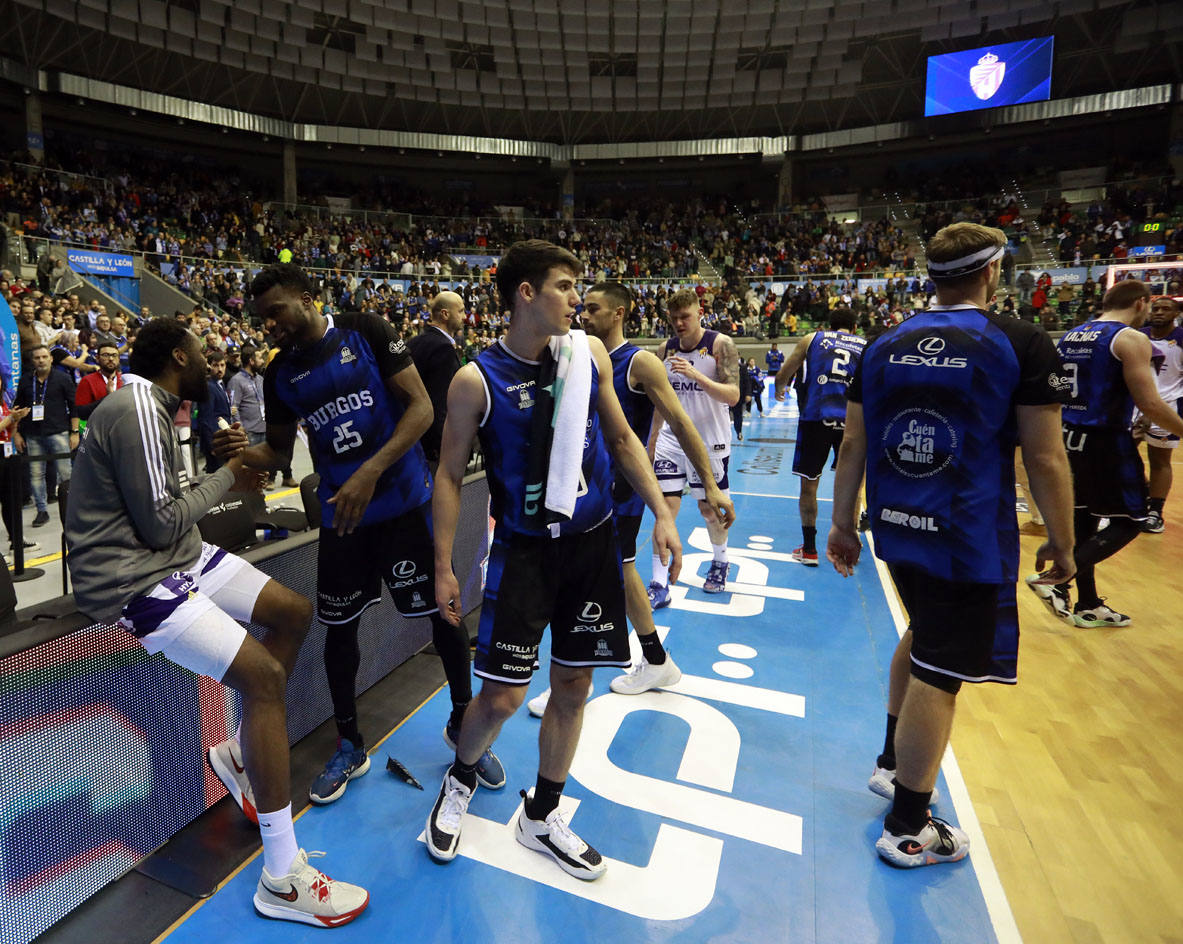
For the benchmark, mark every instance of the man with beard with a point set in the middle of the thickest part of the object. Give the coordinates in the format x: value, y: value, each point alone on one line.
x: 137, y: 557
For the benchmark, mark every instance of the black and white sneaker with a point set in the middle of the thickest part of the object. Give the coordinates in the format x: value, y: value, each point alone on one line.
x: 1054, y: 598
x: 937, y: 842
x: 554, y: 838
x: 1153, y: 523
x: 443, y: 824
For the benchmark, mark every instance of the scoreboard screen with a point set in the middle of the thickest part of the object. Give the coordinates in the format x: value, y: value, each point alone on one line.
x: 989, y: 77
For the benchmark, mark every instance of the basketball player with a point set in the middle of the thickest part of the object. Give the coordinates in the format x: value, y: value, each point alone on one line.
x: 1108, y: 366
x: 1167, y: 340
x: 352, y: 382
x: 703, y: 369
x: 641, y: 385
x: 544, y: 567
x: 935, y: 410
x: 830, y: 359
x: 136, y: 556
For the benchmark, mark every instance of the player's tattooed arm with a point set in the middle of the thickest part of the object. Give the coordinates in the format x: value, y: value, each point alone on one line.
x: 727, y: 370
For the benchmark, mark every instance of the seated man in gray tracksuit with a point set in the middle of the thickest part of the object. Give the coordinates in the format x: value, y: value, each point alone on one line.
x: 137, y: 557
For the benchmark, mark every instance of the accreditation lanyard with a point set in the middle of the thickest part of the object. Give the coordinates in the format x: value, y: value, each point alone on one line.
x: 38, y: 412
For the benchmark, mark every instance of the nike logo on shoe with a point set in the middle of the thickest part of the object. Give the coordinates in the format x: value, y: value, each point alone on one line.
x: 911, y: 848
x: 290, y: 895
x: 237, y: 768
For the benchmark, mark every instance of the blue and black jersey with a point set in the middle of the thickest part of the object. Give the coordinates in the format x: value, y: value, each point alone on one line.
x: 939, y: 393
x: 1098, y: 395
x: 638, y: 410
x: 830, y: 363
x: 338, y: 387
x: 504, y: 435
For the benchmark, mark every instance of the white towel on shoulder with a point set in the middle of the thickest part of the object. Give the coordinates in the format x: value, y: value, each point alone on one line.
x: 572, y: 394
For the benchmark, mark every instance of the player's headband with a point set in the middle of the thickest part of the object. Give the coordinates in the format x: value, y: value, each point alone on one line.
x: 966, y: 264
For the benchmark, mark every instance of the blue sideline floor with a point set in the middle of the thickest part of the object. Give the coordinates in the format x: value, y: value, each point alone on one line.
x: 733, y: 808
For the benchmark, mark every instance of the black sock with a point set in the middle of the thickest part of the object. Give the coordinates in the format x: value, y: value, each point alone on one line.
x: 457, y: 715
x: 463, y: 772
x: 909, y: 810
x: 545, y: 799
x: 1086, y: 588
x: 652, y: 649
x: 810, y: 536
x: 451, y: 645
x: 1156, y: 505
x: 347, y: 730
x: 886, y: 760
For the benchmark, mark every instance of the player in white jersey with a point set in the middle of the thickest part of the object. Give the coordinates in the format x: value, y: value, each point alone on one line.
x: 703, y: 368
x: 1166, y: 339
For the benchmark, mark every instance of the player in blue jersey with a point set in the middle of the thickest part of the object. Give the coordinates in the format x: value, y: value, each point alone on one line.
x: 1108, y: 365
x: 1167, y: 339
x: 352, y: 382
x: 561, y: 568
x: 641, y: 385
x: 830, y: 359
x: 934, y: 412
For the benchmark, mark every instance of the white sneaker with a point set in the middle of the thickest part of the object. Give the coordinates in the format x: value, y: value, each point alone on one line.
x: 644, y: 677
x: 308, y: 895
x: 1057, y: 600
x: 882, y: 783
x: 225, y: 760
x: 937, y: 842
x: 1099, y: 615
x: 553, y: 837
x: 443, y: 823
x: 537, y: 705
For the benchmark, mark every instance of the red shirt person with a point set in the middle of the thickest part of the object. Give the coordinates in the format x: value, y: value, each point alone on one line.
x: 93, y: 387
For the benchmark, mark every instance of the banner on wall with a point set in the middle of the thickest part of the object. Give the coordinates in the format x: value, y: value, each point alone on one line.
x: 101, y: 263
x: 10, y: 360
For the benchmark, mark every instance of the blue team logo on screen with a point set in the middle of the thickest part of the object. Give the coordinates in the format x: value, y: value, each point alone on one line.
x: 989, y: 76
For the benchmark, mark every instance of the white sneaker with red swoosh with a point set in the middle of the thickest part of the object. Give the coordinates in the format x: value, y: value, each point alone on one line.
x: 308, y: 895
x: 225, y: 760
x: 937, y: 842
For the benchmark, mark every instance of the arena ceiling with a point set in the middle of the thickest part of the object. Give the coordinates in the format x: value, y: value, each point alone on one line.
x: 575, y: 73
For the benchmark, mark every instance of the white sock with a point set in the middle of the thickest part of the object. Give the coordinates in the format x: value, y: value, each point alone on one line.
x: 720, y: 552
x: 661, y: 572
x: 279, y: 841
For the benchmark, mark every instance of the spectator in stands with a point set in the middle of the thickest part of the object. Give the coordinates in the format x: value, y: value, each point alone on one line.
x: 1064, y: 296
x: 1025, y: 283
x: 30, y: 336
x: 96, y: 385
x: 216, y: 407
x: 50, y: 428
x: 246, y: 395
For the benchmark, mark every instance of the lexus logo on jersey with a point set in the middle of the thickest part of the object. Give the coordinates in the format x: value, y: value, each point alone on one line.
x: 931, y: 346
x: 404, y: 569
x: 986, y: 77
x: 591, y: 612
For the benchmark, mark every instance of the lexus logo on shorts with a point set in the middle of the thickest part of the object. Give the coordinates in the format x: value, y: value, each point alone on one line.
x: 404, y: 569
x: 591, y: 612
x: 931, y: 346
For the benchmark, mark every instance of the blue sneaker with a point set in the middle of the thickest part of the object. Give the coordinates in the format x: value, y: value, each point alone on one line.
x: 489, y: 772
x: 659, y: 596
x: 342, y: 767
x: 716, y: 581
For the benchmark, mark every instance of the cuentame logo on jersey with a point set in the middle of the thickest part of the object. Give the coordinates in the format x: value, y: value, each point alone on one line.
x: 919, y: 442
